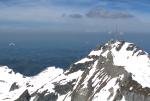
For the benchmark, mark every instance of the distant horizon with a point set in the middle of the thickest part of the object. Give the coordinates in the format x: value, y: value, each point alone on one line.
x: 68, y: 32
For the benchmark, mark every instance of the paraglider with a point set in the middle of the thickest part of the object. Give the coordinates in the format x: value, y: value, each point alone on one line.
x: 12, y: 44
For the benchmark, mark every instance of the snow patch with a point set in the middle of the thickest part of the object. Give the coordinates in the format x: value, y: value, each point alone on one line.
x: 95, y: 53
x: 84, y: 60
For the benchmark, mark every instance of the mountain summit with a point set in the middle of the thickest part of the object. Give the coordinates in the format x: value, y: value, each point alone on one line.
x: 115, y: 71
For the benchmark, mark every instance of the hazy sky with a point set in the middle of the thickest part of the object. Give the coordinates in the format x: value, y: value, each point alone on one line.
x: 75, y: 15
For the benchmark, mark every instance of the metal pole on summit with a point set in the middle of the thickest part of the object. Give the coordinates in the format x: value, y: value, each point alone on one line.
x: 118, y: 33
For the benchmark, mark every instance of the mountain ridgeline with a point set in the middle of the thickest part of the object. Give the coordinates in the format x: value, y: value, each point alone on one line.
x: 115, y: 71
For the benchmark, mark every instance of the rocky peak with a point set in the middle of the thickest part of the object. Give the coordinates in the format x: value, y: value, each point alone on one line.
x: 115, y: 71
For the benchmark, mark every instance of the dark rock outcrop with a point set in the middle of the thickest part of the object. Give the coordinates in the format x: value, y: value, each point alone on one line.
x: 120, y: 45
x: 14, y: 86
x: 45, y: 96
x: 25, y: 96
x: 79, y: 66
x: 64, y: 89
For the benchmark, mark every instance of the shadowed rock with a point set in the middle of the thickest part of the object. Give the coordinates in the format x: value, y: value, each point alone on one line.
x: 45, y: 96
x: 25, y: 96
x: 14, y: 86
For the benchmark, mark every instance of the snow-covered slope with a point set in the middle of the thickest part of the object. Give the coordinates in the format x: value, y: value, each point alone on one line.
x: 116, y: 71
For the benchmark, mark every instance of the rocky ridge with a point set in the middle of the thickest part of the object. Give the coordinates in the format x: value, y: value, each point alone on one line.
x: 115, y: 71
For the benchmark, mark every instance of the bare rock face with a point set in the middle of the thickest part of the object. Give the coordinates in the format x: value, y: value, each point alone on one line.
x: 14, y: 86
x: 133, y: 91
x: 25, y: 96
x: 104, y: 69
x: 43, y: 97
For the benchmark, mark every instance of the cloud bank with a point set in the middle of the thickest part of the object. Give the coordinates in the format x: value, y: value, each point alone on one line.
x: 108, y: 14
x: 74, y: 15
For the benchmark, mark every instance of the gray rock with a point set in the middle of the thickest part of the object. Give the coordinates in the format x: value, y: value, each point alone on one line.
x: 45, y: 96
x: 25, y: 96
x: 14, y: 86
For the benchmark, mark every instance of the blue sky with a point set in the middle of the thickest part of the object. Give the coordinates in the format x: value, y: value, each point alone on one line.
x: 75, y: 15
